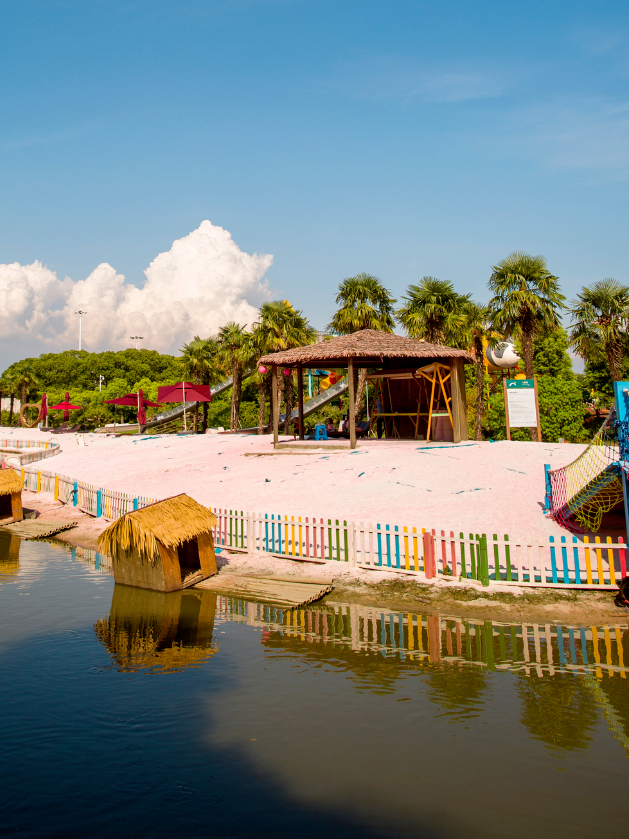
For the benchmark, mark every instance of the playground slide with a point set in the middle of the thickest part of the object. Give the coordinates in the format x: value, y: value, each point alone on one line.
x: 176, y: 413
x: 312, y: 405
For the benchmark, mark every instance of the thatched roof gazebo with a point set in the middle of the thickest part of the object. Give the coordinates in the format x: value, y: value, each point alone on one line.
x: 371, y: 348
x: 165, y: 546
x: 11, y: 486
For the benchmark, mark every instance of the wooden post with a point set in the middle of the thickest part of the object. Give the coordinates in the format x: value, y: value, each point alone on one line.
x: 274, y: 403
x: 504, y: 388
x: 459, y: 402
x: 300, y: 400
x: 350, y: 387
x: 539, y: 427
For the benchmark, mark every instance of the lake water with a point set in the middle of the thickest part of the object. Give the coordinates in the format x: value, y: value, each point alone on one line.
x: 136, y: 714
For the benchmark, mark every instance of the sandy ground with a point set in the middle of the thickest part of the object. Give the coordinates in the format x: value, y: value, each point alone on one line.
x: 479, y: 487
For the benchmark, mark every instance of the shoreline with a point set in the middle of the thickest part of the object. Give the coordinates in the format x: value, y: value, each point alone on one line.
x: 371, y: 588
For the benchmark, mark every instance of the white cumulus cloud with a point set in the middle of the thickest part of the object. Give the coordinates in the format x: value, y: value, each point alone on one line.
x: 202, y: 282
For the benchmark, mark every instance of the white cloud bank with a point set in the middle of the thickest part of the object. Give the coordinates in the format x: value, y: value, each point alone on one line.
x: 202, y: 282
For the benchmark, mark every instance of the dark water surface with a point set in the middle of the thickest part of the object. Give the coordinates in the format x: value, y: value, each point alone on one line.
x: 136, y: 714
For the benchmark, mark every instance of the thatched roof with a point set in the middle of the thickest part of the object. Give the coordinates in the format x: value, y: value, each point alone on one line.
x: 368, y: 348
x: 10, y: 482
x: 170, y: 522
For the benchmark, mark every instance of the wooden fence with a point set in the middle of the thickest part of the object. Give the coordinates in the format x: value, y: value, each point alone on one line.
x: 23, y: 452
x: 426, y: 554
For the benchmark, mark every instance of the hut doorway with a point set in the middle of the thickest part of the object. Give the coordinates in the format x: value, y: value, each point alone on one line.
x: 189, y: 559
x: 6, y: 510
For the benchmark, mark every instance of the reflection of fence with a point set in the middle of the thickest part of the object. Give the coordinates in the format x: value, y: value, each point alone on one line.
x: 91, y: 499
x: 545, y: 649
x: 27, y: 451
x: 427, y: 553
x: 100, y: 562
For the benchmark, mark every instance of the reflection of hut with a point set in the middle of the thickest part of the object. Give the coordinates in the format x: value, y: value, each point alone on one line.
x: 424, y: 383
x: 9, y: 554
x: 10, y: 496
x: 165, y: 546
x: 158, y: 630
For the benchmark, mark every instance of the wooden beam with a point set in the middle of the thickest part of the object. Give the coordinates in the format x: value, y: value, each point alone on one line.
x: 275, y: 405
x: 300, y: 400
x: 459, y: 403
x: 350, y: 387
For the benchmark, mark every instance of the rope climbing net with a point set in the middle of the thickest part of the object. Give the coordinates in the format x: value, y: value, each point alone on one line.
x: 584, y: 490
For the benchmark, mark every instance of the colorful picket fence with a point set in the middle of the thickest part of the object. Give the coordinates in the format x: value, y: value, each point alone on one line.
x: 28, y: 451
x: 96, y: 501
x: 544, y: 649
x: 424, y: 553
x: 427, y: 553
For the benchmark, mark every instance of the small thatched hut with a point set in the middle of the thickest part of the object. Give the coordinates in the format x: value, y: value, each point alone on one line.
x: 165, y: 546
x: 10, y: 496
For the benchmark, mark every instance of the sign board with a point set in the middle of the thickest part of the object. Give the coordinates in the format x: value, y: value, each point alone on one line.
x: 522, y: 403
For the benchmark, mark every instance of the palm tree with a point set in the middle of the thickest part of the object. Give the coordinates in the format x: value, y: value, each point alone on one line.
x: 282, y: 328
x: 230, y: 341
x: 526, y: 300
x: 433, y: 311
x: 476, y: 329
x: 600, y: 315
x: 199, y: 364
x: 24, y: 381
x: 364, y: 303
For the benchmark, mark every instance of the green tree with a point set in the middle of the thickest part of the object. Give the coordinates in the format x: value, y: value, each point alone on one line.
x: 231, y: 339
x: 477, y: 327
x: 433, y: 311
x: 363, y: 303
x: 284, y: 328
x: 599, y: 316
x: 24, y: 382
x: 550, y: 354
x: 199, y: 361
x: 526, y: 300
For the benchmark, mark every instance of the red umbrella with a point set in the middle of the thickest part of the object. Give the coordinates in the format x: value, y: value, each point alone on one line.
x: 184, y: 392
x: 138, y: 401
x: 66, y: 407
x: 43, y: 412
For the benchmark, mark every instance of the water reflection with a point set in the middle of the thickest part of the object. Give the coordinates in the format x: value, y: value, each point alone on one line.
x: 9, y: 555
x: 157, y: 631
x: 565, y: 675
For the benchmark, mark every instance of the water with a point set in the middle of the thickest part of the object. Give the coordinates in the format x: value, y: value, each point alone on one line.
x: 136, y: 714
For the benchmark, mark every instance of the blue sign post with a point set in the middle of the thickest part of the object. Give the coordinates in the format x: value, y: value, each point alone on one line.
x: 621, y: 395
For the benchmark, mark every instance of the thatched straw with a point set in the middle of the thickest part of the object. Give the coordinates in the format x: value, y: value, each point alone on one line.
x: 170, y: 522
x: 369, y: 347
x: 10, y: 482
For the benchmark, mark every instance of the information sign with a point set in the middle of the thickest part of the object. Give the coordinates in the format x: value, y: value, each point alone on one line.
x: 521, y: 407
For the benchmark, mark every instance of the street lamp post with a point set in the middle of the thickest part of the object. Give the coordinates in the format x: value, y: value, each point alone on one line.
x: 80, y: 313
x: 101, y: 379
x: 137, y: 338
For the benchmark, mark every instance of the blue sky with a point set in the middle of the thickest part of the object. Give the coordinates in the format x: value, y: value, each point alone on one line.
x: 400, y: 138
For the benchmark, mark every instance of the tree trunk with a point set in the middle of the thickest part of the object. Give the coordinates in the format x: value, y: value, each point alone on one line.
x: 613, y: 351
x: 22, y: 403
x: 11, y: 410
x: 236, y: 396
x: 262, y: 391
x: 289, y: 390
x: 480, y: 387
x: 360, y: 392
